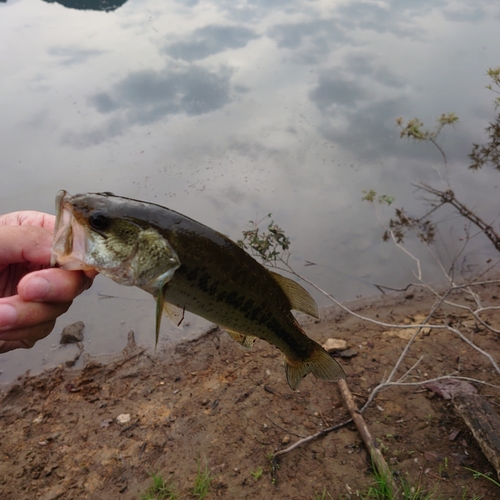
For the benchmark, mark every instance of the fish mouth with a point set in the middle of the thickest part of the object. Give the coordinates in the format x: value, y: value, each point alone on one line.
x: 69, y: 246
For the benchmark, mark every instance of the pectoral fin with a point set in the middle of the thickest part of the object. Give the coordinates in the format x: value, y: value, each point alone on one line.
x: 160, y: 301
x: 157, y: 287
x: 246, y: 341
x: 175, y: 314
x: 299, y: 297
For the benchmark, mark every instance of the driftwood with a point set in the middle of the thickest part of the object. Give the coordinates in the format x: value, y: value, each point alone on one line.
x: 484, y: 424
x: 477, y: 413
x: 371, y: 444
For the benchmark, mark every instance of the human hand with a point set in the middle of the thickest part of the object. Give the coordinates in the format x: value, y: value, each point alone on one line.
x: 32, y: 295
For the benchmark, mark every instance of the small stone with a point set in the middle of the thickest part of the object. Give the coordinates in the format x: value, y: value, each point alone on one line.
x: 72, y: 334
x: 285, y: 440
x: 123, y: 418
x: 38, y: 420
x: 349, y: 353
x: 335, y: 345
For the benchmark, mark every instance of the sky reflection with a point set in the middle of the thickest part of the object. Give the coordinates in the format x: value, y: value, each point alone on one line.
x: 227, y: 111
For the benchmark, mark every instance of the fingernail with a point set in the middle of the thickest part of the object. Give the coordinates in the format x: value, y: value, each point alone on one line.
x: 36, y: 289
x: 8, y: 316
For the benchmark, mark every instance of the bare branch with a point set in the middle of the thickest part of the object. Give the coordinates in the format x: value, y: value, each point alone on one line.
x: 449, y: 197
x: 474, y: 346
x: 386, y: 385
x: 308, y: 439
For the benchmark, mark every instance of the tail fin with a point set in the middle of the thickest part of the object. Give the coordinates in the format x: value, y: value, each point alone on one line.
x: 320, y: 364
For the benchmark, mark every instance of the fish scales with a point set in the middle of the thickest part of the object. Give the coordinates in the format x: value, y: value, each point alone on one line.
x: 235, y: 270
x: 225, y: 288
x: 192, y: 267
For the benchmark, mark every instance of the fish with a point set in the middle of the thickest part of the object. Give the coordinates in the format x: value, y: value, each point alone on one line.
x: 188, y: 266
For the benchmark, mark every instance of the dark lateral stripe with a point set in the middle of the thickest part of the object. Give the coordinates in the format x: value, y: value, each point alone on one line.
x: 259, y: 314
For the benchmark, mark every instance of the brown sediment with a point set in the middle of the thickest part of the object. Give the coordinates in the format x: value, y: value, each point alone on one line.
x: 60, y: 437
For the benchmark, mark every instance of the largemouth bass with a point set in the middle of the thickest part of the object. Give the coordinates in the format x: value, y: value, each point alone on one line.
x: 187, y: 266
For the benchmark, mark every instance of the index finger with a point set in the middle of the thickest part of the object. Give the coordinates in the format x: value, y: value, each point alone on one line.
x: 29, y: 218
x: 25, y: 244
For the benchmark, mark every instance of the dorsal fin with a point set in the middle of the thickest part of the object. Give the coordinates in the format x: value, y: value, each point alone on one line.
x: 299, y: 297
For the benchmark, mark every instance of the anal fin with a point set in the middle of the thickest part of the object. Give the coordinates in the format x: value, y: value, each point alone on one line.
x: 246, y: 341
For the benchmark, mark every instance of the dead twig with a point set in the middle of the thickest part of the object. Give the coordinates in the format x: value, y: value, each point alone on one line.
x: 283, y: 429
x: 300, y: 442
x: 448, y: 196
x: 387, y: 384
x: 370, y: 443
x: 442, y: 298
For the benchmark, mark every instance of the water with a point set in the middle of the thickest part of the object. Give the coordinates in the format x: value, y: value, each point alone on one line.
x: 226, y: 111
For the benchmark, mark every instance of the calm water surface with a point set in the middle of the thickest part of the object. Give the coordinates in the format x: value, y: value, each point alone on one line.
x: 228, y: 110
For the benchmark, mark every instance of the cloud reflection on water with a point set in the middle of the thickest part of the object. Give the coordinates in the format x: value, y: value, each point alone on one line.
x: 209, y: 40
x: 145, y: 97
x: 227, y: 111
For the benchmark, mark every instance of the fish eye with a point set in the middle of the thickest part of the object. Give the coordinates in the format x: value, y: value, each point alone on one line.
x: 99, y: 221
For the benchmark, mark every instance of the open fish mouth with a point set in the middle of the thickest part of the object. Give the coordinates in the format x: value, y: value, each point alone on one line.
x: 142, y: 244
x: 69, y: 246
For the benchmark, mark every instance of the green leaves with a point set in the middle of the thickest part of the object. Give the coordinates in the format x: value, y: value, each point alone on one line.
x: 270, y: 245
x: 414, y: 128
x: 489, y: 153
x: 372, y: 197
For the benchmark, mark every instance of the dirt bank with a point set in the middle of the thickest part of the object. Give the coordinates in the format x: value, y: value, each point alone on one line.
x: 211, y: 400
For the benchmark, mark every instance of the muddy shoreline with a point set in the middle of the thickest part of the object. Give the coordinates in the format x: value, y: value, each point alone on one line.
x: 209, y: 399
